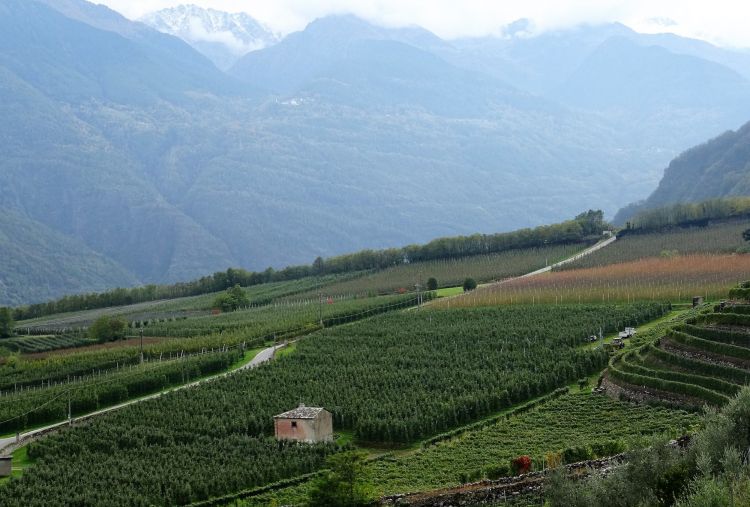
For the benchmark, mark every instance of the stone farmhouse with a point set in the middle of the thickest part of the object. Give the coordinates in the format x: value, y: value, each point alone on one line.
x: 304, y: 424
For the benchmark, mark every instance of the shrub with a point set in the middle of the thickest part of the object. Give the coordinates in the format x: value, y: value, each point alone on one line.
x: 494, y: 472
x: 553, y: 459
x: 232, y: 299
x: 521, y: 465
x: 107, y: 329
x: 432, y: 283
x: 470, y: 284
x: 576, y: 454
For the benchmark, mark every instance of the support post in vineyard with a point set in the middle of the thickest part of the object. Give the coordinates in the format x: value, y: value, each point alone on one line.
x: 141, y: 344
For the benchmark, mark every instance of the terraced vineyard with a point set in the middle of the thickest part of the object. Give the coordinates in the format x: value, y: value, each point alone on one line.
x: 704, y: 360
x: 399, y: 377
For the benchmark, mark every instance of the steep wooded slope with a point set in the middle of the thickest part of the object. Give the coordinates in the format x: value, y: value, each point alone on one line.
x: 718, y: 168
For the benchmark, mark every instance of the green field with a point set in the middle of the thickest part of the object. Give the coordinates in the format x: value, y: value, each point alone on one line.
x: 178, y: 308
x: 576, y: 426
x: 31, y: 408
x: 32, y: 344
x: 249, y: 327
x: 280, y: 318
x: 452, y: 272
x: 399, y: 377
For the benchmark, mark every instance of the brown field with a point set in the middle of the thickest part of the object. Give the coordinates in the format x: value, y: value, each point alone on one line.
x: 675, y: 279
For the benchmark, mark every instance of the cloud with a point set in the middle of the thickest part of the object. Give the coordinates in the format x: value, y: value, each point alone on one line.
x: 664, y: 22
x: 719, y: 21
x: 198, y: 33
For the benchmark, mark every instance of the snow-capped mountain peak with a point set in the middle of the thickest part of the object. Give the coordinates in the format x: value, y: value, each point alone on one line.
x: 223, y: 37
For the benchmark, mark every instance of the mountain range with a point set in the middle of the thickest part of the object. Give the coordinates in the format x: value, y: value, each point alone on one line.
x: 161, y: 166
x: 220, y: 36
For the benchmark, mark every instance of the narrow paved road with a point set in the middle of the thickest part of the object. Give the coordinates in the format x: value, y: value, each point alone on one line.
x: 9, y: 444
x: 577, y: 256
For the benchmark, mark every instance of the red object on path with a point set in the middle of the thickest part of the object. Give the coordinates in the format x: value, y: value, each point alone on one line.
x: 330, y: 300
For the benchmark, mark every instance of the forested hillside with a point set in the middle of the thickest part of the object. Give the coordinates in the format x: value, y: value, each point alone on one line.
x: 39, y: 263
x: 718, y: 168
x: 341, y: 137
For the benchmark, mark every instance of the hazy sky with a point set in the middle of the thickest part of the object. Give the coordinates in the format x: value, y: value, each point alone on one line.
x: 723, y: 22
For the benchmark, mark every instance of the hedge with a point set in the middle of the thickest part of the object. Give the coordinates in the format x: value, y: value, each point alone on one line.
x: 669, y: 386
x: 715, y: 370
x: 737, y: 338
x: 687, y: 378
x: 710, y: 346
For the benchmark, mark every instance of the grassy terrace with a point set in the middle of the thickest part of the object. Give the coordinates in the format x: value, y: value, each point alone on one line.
x: 705, y: 359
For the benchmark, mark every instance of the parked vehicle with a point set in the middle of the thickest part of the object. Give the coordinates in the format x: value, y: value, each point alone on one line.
x: 628, y: 333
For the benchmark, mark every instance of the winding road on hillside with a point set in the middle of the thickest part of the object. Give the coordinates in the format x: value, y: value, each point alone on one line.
x: 10, y: 444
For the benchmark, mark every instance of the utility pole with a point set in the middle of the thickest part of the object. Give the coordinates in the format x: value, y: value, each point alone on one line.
x: 70, y: 415
x: 419, y: 295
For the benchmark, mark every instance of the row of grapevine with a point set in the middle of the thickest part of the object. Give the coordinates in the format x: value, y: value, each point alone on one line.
x: 656, y: 279
x: 37, y: 407
x: 251, y: 327
x: 394, y: 378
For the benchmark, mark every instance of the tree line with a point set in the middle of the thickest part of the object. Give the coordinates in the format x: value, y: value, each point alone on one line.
x: 689, y: 214
x: 585, y: 225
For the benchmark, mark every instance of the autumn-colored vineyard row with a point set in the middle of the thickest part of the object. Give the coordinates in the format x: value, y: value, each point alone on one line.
x: 656, y: 279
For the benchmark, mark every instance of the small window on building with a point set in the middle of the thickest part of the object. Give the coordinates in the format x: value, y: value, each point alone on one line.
x: 294, y: 425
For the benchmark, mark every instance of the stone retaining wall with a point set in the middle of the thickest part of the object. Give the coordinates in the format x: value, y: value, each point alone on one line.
x: 487, y: 492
